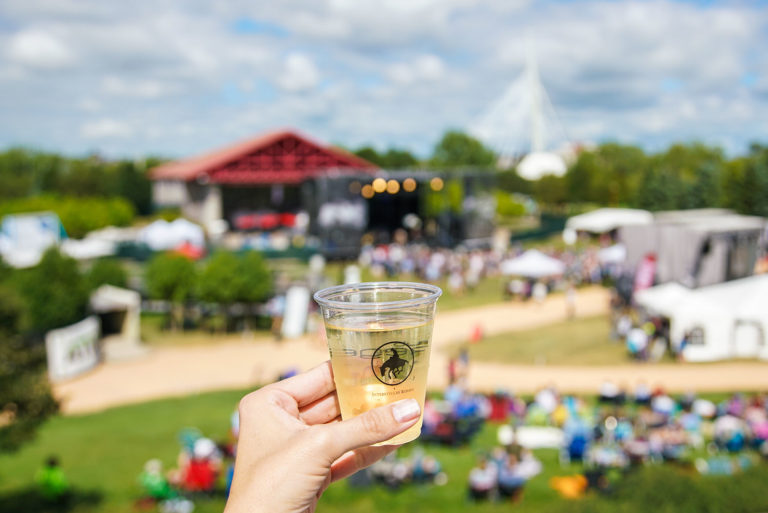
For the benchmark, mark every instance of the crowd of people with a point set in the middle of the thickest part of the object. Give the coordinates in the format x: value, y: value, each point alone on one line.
x: 200, y: 467
x: 621, y: 430
x: 615, y: 432
x: 394, y: 472
x: 463, y: 268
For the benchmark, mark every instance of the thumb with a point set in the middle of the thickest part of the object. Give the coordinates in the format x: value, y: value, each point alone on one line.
x: 374, y: 426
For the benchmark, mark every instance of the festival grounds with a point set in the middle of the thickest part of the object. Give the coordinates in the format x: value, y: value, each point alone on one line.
x: 120, y: 415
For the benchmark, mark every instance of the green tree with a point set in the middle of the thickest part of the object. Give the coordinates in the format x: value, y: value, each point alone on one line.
x: 86, y: 177
x: 172, y: 278
x: 754, y: 184
x: 25, y: 395
x: 55, y: 292
x: 131, y: 182
x: 257, y: 278
x: 396, y: 158
x: 371, y: 155
x: 16, y: 173
x: 510, y: 181
x: 457, y: 149
x: 107, y: 271
x: 550, y: 190
x: 229, y: 279
x: 220, y: 281
x: 607, y: 175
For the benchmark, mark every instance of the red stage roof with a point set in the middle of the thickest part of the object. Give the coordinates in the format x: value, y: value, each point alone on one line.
x: 285, y: 157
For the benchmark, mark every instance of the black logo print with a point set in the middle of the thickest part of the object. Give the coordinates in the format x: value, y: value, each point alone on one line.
x: 392, y: 363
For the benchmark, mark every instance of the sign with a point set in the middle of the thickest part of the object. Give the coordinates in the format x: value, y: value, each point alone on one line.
x: 296, y: 310
x: 73, y: 350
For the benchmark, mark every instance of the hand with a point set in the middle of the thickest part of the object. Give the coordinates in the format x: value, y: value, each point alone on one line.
x: 293, y: 443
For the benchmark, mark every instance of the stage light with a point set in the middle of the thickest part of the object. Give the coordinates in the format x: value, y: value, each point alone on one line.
x: 379, y: 185
x: 393, y: 186
x: 367, y: 191
x: 436, y: 184
x: 409, y: 185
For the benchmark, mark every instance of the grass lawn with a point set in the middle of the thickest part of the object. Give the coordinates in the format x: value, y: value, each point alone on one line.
x: 102, y: 455
x: 577, y: 342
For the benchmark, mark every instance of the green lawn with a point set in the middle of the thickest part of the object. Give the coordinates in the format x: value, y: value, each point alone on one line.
x: 576, y: 342
x: 103, y: 453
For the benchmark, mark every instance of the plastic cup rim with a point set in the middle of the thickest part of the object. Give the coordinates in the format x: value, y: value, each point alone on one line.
x: 433, y: 292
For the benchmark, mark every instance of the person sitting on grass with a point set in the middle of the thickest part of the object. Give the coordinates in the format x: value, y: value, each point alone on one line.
x: 154, y: 484
x: 51, y: 481
x: 482, y: 480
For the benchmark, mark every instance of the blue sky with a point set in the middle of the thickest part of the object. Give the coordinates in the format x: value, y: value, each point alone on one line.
x: 178, y: 78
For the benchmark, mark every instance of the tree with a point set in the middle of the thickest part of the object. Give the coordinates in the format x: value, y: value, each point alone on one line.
x: 16, y: 173
x: 550, y: 190
x: 55, y: 293
x: 370, y: 154
x: 257, y: 278
x: 171, y: 277
x: 25, y: 395
x: 457, y: 149
x: 510, y: 181
x: 107, y: 271
x: 396, y: 158
x: 131, y: 183
x: 229, y: 279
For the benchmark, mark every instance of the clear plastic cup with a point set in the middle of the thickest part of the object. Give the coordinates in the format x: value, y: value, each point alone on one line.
x: 379, y: 338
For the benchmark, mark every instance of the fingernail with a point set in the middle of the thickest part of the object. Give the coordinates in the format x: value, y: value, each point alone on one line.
x: 405, y: 410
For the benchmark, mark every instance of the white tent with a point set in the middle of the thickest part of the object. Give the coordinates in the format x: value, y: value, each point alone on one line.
x: 539, y: 163
x: 126, y: 343
x: 25, y: 237
x: 615, y: 254
x: 605, y: 220
x: 162, y: 235
x: 533, y: 264
x: 88, y: 248
x: 663, y: 299
x: 727, y: 320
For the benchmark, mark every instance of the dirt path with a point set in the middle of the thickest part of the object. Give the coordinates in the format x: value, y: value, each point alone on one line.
x: 176, y: 371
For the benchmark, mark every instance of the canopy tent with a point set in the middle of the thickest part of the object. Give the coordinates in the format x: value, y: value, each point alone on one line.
x: 88, y: 248
x: 125, y: 341
x: 533, y: 264
x: 162, y: 235
x: 727, y: 320
x: 25, y: 237
x: 663, y: 299
x: 605, y: 220
x: 615, y: 254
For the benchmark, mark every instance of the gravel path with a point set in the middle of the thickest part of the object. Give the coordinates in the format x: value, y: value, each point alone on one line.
x: 177, y: 371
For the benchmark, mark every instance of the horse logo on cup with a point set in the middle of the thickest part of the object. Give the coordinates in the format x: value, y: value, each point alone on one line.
x: 392, y: 363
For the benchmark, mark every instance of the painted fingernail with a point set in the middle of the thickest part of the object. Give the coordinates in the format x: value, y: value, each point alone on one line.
x: 405, y: 410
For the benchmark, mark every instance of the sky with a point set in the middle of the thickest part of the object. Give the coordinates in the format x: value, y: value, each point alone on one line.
x: 173, y: 79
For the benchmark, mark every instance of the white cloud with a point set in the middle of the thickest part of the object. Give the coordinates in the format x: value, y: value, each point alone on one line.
x: 106, y: 129
x: 89, y: 105
x: 139, y: 88
x: 416, y: 67
x: 420, y: 69
x: 39, y: 49
x: 299, y: 73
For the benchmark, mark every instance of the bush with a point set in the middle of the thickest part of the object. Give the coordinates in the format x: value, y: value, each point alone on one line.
x: 506, y: 206
x: 170, y: 277
x: 54, y: 291
x: 107, y: 271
